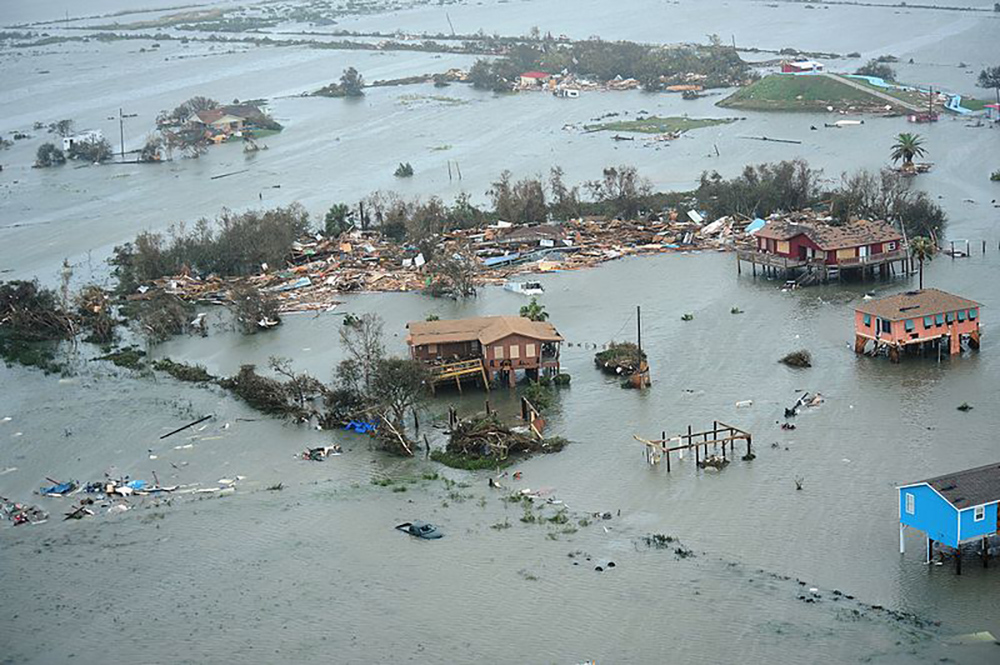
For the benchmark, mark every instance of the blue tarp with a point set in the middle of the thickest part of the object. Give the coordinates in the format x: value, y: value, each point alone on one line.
x: 136, y: 484
x: 755, y: 225
x: 61, y: 488
x: 361, y: 427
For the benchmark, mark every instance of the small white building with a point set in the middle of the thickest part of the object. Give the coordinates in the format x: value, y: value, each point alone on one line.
x: 86, y: 136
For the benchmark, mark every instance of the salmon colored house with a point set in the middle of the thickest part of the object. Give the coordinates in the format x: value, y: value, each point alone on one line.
x: 488, y: 346
x: 914, y: 319
x: 817, y: 246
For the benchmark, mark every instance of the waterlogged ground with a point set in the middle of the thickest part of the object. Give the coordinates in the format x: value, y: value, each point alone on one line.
x: 314, y: 572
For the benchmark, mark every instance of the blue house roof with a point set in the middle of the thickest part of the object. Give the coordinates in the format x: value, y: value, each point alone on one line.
x: 972, y: 487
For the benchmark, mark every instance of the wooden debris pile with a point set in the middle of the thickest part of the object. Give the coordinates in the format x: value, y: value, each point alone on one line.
x: 486, y: 436
x: 620, y: 358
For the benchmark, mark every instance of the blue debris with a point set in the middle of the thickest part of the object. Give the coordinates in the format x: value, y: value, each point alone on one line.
x: 361, y: 426
x: 60, y: 488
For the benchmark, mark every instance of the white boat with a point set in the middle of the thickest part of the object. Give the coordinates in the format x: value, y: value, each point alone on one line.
x: 525, y: 288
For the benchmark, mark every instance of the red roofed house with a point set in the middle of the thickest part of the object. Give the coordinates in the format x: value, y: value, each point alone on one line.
x: 533, y: 79
x: 914, y: 319
x: 486, y: 346
x: 800, y: 66
x: 823, y: 249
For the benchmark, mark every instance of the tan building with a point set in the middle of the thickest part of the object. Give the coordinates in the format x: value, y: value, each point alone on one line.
x: 490, y: 346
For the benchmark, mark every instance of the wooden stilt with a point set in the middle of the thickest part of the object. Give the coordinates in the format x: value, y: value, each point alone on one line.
x: 958, y: 556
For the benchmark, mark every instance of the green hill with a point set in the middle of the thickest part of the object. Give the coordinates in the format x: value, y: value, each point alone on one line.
x: 788, y: 92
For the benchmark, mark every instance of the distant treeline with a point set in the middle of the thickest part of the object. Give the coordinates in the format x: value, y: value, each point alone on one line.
x: 655, y: 67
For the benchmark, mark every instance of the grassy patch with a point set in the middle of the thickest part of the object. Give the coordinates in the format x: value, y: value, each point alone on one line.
x: 657, y: 125
x: 786, y: 92
x: 129, y: 357
x: 181, y: 371
x: 41, y: 355
x: 408, y: 100
x: 974, y: 104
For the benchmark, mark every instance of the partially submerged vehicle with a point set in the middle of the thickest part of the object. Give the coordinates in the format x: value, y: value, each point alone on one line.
x: 525, y: 288
x: 420, y: 530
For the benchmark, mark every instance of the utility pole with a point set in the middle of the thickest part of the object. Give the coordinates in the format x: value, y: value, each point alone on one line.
x: 121, y: 129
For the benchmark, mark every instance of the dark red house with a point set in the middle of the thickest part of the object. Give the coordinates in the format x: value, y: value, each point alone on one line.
x: 816, y: 245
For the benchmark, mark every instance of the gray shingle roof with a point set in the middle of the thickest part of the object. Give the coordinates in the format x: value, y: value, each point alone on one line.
x: 972, y: 487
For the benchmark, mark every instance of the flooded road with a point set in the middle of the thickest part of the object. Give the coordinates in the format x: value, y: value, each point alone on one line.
x: 315, y: 572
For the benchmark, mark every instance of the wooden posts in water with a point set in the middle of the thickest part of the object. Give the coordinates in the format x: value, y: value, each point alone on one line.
x: 721, y: 434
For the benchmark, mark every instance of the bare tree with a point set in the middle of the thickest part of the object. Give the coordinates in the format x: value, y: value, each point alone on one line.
x: 622, y: 190
x: 300, y: 386
x: 454, y: 275
x: 362, y: 340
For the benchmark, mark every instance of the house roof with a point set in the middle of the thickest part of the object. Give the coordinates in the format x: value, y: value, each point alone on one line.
x: 209, y: 116
x: 915, y: 304
x: 534, y: 75
x: 972, y: 487
x: 215, y: 115
x: 484, y: 329
x: 829, y: 237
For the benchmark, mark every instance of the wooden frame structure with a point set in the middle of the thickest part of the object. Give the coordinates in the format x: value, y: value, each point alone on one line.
x: 721, y: 434
x: 456, y: 370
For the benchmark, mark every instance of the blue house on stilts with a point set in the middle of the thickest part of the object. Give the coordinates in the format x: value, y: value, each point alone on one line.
x: 954, y: 510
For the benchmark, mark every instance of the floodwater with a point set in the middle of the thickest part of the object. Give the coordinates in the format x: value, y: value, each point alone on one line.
x: 315, y: 572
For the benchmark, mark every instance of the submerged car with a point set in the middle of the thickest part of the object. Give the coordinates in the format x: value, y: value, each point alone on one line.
x: 421, y: 530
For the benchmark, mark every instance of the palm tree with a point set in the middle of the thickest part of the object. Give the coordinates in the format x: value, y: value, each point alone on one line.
x: 906, y: 147
x: 534, y: 311
x: 922, y: 249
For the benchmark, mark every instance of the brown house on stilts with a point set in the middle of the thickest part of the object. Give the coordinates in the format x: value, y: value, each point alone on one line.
x: 486, y: 347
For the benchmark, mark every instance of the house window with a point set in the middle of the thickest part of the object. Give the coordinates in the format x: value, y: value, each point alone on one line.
x: 979, y: 513
x: 515, y: 352
x: 886, y: 326
x: 910, y: 507
x: 909, y: 325
x: 949, y: 317
x: 498, y: 352
x: 939, y: 319
x: 432, y: 349
x: 961, y: 315
x: 928, y: 322
x: 868, y: 320
x: 529, y: 350
x: 972, y: 314
x: 890, y: 246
